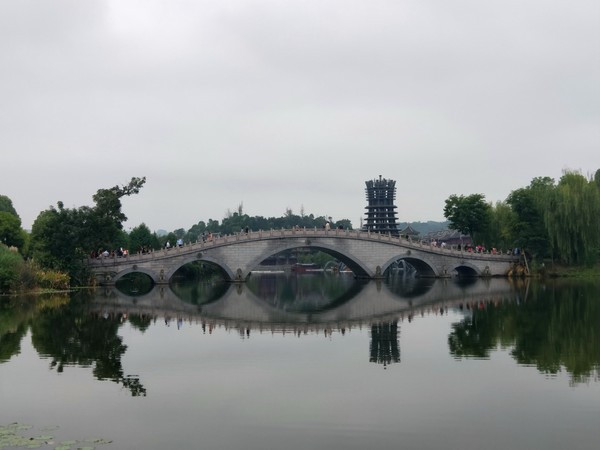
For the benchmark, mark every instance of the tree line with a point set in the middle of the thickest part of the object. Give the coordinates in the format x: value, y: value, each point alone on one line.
x: 62, y: 238
x: 552, y: 220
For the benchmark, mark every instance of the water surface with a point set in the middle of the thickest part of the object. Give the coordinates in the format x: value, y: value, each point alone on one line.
x: 311, y: 361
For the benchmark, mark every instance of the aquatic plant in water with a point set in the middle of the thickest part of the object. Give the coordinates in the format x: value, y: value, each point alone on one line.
x: 14, y: 435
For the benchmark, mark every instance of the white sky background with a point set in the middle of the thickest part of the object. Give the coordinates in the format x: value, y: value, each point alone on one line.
x: 280, y: 104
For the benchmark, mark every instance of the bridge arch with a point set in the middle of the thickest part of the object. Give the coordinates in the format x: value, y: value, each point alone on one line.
x: 359, y: 269
x: 154, y: 276
x: 424, y: 267
x: 467, y: 270
x: 190, y: 259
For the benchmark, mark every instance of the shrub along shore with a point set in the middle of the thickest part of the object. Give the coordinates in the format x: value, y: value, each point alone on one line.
x: 20, y: 276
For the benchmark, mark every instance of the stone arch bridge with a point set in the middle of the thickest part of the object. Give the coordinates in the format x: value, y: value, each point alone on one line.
x: 367, y: 254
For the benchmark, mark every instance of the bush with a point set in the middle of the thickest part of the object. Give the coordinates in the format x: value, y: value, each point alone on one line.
x: 17, y: 274
x: 11, y: 264
x: 49, y: 279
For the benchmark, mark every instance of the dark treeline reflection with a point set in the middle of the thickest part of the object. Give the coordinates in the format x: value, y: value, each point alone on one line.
x: 305, y: 293
x: 407, y: 286
x: 68, y: 335
x: 554, y: 326
x: 200, y: 292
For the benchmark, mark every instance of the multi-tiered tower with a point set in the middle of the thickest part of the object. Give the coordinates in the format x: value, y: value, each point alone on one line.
x: 381, y: 211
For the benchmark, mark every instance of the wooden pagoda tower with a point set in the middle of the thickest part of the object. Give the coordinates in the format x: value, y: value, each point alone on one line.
x: 381, y: 210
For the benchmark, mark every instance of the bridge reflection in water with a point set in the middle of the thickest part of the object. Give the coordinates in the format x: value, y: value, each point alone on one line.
x: 319, y: 303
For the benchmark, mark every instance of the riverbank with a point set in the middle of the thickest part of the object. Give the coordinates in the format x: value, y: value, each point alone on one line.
x: 578, y: 272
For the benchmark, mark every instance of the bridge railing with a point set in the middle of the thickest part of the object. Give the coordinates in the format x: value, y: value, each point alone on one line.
x: 215, y: 241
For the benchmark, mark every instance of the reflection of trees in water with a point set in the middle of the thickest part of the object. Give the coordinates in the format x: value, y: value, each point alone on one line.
x: 140, y: 321
x: 384, y: 348
x: 407, y: 286
x: 69, y: 336
x: 10, y: 342
x: 15, y: 316
x: 135, y: 284
x: 557, y: 326
x: 200, y: 292
x: 12, y: 329
x: 305, y: 293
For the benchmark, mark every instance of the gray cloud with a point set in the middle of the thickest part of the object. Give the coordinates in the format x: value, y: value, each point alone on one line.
x: 283, y: 104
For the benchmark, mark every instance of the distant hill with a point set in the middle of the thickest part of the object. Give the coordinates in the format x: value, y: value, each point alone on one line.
x: 425, y: 227
x: 160, y: 233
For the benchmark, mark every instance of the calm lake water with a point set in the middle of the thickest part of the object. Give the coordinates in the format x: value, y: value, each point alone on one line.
x: 309, y: 361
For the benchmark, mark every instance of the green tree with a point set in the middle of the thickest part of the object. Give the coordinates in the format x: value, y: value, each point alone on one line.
x: 467, y: 214
x: 141, y: 237
x: 572, y: 218
x: 7, y: 206
x: 499, y: 233
x: 11, y: 264
x: 346, y: 224
x: 105, y: 220
x: 61, y: 237
x: 528, y: 227
x: 56, y: 237
x: 213, y: 226
x: 171, y: 238
x: 11, y: 233
x: 194, y: 233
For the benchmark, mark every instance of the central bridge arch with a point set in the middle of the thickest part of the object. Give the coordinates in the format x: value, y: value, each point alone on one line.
x: 421, y: 264
x: 359, y: 269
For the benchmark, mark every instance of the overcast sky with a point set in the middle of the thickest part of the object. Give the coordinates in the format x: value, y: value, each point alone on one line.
x: 284, y: 104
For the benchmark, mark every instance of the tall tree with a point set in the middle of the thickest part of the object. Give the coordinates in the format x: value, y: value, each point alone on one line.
x: 572, y: 218
x: 11, y: 233
x: 141, y: 237
x: 467, y: 214
x: 7, y: 206
x: 528, y: 205
x: 62, y: 237
x: 499, y: 232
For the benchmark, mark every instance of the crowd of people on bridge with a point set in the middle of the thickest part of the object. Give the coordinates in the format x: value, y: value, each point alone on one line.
x: 478, y: 248
x: 101, y: 253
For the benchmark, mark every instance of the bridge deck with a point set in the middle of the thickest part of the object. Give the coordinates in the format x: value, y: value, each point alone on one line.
x: 297, y: 233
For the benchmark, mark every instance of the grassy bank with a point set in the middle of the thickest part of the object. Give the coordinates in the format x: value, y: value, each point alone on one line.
x: 580, y: 272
